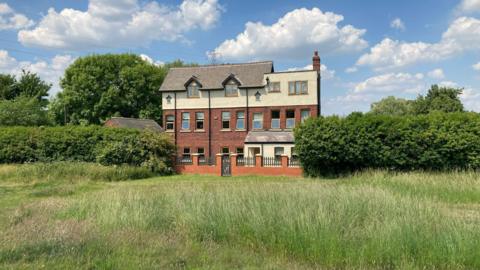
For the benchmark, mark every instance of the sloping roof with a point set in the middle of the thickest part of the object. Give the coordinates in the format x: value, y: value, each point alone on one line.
x: 269, y: 137
x: 136, y: 123
x: 212, y: 76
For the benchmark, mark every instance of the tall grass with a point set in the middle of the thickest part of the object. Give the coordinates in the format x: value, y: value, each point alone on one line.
x: 72, y: 171
x: 328, y: 225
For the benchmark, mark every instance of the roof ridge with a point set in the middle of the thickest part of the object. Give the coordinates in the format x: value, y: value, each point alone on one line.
x: 131, y: 118
x: 227, y: 64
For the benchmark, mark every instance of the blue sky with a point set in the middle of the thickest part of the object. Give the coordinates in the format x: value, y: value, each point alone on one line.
x: 369, y: 49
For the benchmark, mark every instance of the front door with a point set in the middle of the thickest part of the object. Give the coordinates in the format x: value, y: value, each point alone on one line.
x: 226, y: 166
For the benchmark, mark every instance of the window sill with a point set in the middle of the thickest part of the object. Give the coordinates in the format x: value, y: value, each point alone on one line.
x: 275, y: 129
x: 199, y: 130
x: 240, y: 129
x: 193, y: 97
x: 274, y: 91
x: 225, y: 130
x: 169, y: 131
x: 185, y: 130
x: 304, y: 94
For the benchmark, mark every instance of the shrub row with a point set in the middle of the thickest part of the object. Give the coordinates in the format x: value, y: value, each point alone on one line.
x: 107, y: 146
x: 437, y: 141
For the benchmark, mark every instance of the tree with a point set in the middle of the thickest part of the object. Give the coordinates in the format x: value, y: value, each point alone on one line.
x: 23, y: 111
x: 438, y: 98
x: 7, y: 87
x: 29, y: 85
x: 98, y: 87
x: 392, y: 106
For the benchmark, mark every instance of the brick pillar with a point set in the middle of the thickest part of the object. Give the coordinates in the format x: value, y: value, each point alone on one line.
x: 284, y: 161
x: 258, y: 160
x: 195, y: 159
x: 233, y: 163
x: 218, y: 164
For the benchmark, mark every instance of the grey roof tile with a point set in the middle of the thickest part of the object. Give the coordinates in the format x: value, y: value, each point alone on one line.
x: 269, y: 137
x: 212, y: 76
x: 136, y: 123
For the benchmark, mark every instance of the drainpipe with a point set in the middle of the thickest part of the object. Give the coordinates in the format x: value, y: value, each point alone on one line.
x: 247, y: 114
x: 175, y: 116
x: 209, y: 127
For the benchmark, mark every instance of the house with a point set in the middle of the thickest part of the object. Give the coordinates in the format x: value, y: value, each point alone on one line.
x: 142, y: 124
x: 245, y: 108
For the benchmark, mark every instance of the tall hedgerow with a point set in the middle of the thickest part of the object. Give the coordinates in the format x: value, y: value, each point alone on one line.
x: 436, y: 141
x: 107, y: 146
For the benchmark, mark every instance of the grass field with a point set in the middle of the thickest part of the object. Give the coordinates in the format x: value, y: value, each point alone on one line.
x: 65, y: 217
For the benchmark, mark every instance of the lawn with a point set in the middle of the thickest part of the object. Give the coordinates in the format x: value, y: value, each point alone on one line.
x: 65, y: 216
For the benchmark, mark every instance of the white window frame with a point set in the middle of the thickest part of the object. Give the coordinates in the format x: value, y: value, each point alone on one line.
x: 170, y: 119
x: 192, y: 90
x: 226, y: 119
x: 275, y: 120
x: 289, y: 122
x: 231, y: 89
x: 240, y: 120
x: 258, y: 120
x: 304, y: 117
x: 185, y: 121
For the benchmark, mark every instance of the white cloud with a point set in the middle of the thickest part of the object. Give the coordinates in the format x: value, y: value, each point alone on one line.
x: 297, y: 34
x: 372, y: 89
x: 476, y: 66
x: 398, y: 24
x: 469, y: 6
x: 448, y: 84
x: 436, y: 74
x: 50, y: 70
x: 392, y: 82
x: 10, y: 20
x: 462, y: 35
x: 113, y: 23
x: 326, y: 73
x: 351, y: 70
x: 151, y: 61
x: 471, y: 99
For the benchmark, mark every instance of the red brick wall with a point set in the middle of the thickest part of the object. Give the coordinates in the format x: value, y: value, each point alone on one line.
x: 258, y: 169
x: 232, y: 139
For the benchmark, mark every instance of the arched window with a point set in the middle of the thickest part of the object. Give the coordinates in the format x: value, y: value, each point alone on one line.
x: 192, y: 90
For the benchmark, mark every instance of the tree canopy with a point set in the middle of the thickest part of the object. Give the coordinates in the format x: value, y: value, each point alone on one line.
x: 97, y: 87
x: 23, y: 102
x: 29, y: 85
x: 392, y: 106
x: 438, y: 98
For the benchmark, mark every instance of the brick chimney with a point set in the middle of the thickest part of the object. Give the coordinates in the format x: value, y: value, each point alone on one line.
x: 316, y: 62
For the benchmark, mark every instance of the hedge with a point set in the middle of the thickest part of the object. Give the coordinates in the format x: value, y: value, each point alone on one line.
x: 108, y: 146
x: 437, y: 141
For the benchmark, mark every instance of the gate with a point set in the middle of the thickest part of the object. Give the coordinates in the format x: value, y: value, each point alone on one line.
x: 226, y: 166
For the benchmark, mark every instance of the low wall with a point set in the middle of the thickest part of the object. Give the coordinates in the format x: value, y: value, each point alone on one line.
x: 258, y: 169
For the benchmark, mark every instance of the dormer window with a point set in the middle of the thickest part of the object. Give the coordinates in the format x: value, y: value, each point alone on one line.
x: 231, y: 89
x: 192, y: 90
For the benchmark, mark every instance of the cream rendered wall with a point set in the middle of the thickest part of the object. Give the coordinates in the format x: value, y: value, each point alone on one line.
x: 283, y: 98
x: 269, y: 149
x: 219, y: 100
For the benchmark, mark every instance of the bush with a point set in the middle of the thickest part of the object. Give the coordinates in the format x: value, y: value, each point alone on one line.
x: 87, y: 144
x: 437, y: 141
